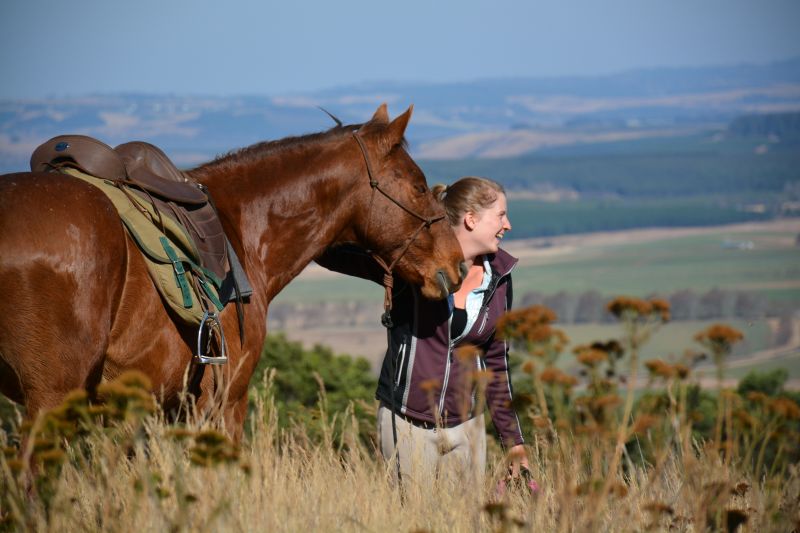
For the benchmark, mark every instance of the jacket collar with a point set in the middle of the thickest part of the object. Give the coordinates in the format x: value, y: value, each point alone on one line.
x: 502, y: 262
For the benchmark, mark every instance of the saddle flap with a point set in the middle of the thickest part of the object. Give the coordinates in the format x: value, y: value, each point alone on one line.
x: 150, y: 168
x: 82, y: 152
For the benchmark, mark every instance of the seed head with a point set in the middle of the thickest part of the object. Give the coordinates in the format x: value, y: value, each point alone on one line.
x: 720, y: 338
x: 785, y: 408
x: 592, y: 358
x: 659, y: 368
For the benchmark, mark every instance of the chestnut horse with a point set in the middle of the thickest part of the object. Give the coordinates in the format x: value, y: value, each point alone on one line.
x: 77, y: 305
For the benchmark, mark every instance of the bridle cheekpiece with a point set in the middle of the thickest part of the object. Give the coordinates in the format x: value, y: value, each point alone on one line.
x: 388, y: 278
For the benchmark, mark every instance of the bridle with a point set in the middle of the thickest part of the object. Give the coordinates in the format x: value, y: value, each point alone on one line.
x: 388, y: 280
x: 388, y: 277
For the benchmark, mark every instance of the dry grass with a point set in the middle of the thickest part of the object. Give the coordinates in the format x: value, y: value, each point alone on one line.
x: 600, y: 463
x: 139, y: 472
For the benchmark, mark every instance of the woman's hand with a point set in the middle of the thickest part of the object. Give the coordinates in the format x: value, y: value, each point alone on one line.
x: 519, y: 458
x: 519, y: 472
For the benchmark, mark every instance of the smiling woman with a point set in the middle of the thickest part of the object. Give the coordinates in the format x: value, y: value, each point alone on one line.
x: 429, y: 420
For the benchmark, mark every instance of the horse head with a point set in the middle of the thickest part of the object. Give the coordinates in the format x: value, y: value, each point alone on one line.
x: 399, y: 218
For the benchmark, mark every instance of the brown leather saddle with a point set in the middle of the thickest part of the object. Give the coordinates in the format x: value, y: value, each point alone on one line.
x: 144, y: 169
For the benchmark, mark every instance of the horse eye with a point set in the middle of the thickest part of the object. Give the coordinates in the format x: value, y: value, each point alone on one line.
x: 422, y: 189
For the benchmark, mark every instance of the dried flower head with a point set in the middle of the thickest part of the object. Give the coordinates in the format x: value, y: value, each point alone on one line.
x: 741, y: 488
x: 612, y: 347
x: 212, y: 448
x: 719, y: 337
x: 661, y: 307
x: 606, y: 401
x: 529, y: 367
x: 531, y: 325
x: 643, y: 423
x: 591, y: 358
x: 620, y: 490
x: 627, y: 307
x: 482, y: 377
x: 567, y: 381
x: 550, y: 375
x: 658, y: 508
x: 757, y: 397
x: 681, y: 370
x: 467, y: 353
x: 540, y: 422
x: 745, y: 419
x: 622, y: 306
x: 495, y: 510
x: 785, y: 408
x: 431, y: 385
x: 554, y: 376
x: 659, y: 368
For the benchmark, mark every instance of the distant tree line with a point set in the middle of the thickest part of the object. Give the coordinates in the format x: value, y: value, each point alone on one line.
x: 533, y: 218
x: 685, y: 304
x: 783, y: 126
x: 571, y: 308
x: 667, y: 172
x: 283, y: 315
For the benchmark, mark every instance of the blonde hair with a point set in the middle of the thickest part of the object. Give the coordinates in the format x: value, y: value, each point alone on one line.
x: 467, y: 194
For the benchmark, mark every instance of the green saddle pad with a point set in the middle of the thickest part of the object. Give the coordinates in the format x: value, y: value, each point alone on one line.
x: 171, y: 257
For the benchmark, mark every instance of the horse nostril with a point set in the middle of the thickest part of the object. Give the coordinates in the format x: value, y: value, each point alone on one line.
x: 463, y: 269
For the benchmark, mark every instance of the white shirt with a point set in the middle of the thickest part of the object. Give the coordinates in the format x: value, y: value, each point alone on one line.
x: 474, y: 300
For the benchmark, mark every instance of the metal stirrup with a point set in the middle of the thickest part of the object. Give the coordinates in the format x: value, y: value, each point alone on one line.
x: 210, y: 325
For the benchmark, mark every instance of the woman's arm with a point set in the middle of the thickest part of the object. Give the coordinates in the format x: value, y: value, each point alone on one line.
x: 499, y: 395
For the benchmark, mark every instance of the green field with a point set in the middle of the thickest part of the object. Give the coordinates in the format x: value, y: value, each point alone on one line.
x: 672, y: 339
x: 698, y: 262
x: 532, y: 218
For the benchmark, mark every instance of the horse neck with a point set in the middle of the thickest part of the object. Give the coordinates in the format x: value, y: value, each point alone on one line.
x: 283, y: 210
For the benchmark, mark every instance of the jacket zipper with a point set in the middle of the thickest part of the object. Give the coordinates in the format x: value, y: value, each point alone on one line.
x: 485, y: 319
x: 448, y: 363
x: 400, y: 366
x: 484, y: 307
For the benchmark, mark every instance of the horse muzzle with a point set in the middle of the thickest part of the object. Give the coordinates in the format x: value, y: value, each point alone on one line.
x: 445, y: 285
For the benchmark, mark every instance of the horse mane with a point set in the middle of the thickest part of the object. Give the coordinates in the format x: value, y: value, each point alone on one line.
x: 257, y: 152
x: 261, y: 150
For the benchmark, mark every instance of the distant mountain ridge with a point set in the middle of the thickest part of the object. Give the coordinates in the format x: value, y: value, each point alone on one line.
x: 479, y: 118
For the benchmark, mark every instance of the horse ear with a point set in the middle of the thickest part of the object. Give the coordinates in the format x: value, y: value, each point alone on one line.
x: 387, y: 135
x: 397, y: 128
x: 381, y: 115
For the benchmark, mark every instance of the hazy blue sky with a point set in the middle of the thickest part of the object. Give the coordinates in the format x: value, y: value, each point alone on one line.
x: 74, y: 47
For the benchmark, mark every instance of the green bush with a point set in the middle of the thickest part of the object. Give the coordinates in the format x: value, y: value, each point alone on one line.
x: 299, y: 394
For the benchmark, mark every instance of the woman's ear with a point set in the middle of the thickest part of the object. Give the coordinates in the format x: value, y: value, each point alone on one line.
x: 470, y: 220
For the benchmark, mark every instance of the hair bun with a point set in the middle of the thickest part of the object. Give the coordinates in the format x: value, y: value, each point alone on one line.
x: 439, y: 191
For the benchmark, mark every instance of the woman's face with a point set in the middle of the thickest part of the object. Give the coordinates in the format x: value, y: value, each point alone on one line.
x: 490, y: 225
